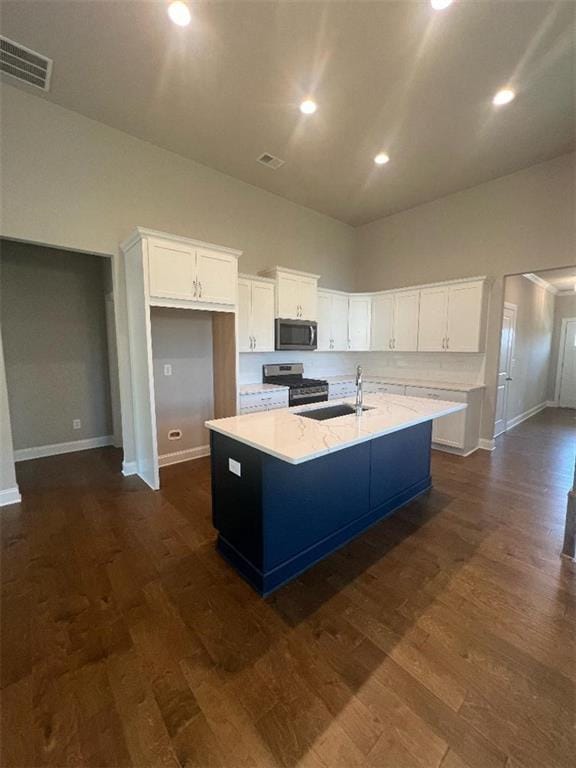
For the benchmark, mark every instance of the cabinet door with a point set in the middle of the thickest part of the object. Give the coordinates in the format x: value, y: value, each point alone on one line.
x: 406, y: 309
x: 447, y: 430
x: 432, y: 319
x: 324, y: 321
x: 309, y: 298
x: 464, y: 318
x: 359, y: 322
x: 263, y: 316
x: 288, y: 301
x: 340, y: 323
x: 171, y: 269
x: 244, y: 315
x: 382, y: 322
x: 217, y: 275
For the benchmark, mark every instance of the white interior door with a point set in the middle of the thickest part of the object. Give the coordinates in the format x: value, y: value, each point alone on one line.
x: 406, y: 306
x: 340, y: 323
x: 244, y: 315
x: 324, y: 322
x: 505, y: 367
x: 263, y: 316
x: 383, y: 322
x: 217, y: 275
x: 567, y: 373
x: 432, y: 319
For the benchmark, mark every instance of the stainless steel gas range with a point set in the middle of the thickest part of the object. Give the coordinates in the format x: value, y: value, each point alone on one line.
x: 301, y: 390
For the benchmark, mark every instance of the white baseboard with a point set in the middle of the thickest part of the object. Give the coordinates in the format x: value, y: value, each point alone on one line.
x: 40, y: 451
x: 486, y: 445
x: 129, y: 468
x: 187, y: 455
x: 454, y: 450
x: 10, y: 496
x: 552, y: 404
x: 526, y: 415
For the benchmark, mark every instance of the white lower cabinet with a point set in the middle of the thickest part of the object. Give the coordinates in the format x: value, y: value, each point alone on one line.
x: 377, y: 388
x: 339, y: 389
x: 263, y: 401
x: 457, y: 431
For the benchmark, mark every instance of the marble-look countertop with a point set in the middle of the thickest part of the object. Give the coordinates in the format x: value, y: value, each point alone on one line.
x: 428, y: 383
x: 293, y: 438
x: 257, y: 389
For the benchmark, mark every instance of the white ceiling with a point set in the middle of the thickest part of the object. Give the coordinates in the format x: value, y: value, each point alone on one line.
x: 392, y: 76
x: 561, y: 279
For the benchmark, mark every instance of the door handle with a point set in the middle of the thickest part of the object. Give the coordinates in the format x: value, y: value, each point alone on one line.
x: 508, y: 378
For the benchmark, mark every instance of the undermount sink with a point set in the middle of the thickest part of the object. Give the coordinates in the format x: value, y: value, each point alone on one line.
x: 331, y: 412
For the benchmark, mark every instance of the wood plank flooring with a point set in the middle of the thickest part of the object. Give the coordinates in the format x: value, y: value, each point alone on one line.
x: 443, y: 637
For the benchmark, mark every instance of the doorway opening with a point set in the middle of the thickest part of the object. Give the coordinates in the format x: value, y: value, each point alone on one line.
x: 537, y: 360
x: 59, y: 345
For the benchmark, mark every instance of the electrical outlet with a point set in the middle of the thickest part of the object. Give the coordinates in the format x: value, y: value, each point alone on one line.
x: 167, y: 369
x: 76, y: 424
x: 235, y: 467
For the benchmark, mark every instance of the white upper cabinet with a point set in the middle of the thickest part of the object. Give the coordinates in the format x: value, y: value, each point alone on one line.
x: 255, y: 315
x: 382, y: 322
x: 332, y: 322
x: 406, y: 313
x: 464, y: 324
x: 395, y: 321
x: 172, y: 269
x: 359, y: 322
x: 217, y: 274
x: 296, y: 294
x: 451, y: 318
x: 184, y: 270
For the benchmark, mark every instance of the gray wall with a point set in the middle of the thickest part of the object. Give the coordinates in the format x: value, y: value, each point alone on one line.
x: 185, y: 399
x: 88, y: 186
x: 524, y: 222
x: 565, y: 307
x: 54, y: 337
x: 532, y: 347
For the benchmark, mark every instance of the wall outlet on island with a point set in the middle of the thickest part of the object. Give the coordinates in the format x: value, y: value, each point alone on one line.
x: 76, y: 424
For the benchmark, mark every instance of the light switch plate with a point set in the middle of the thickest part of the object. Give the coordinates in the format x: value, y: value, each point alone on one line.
x: 167, y: 369
x: 235, y: 467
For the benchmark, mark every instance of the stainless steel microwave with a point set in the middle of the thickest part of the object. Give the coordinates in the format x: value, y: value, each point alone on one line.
x: 296, y: 334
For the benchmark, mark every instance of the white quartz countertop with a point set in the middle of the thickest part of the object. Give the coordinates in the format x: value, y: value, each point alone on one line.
x: 428, y: 383
x: 256, y: 389
x: 286, y: 435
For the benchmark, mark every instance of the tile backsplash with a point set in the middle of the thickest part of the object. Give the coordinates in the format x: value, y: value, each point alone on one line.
x: 459, y: 368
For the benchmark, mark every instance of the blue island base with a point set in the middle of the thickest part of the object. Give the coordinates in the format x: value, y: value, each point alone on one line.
x: 275, y: 520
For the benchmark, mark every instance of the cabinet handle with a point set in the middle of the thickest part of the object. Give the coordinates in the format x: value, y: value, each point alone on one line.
x: 447, y: 342
x: 444, y: 342
x: 200, y: 293
x: 254, y: 337
x: 195, y: 288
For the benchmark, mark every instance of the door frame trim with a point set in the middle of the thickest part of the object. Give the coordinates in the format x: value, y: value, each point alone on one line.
x: 560, y: 364
x: 513, y: 308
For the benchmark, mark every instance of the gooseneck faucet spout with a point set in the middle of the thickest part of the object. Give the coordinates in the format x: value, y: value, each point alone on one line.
x: 359, y: 396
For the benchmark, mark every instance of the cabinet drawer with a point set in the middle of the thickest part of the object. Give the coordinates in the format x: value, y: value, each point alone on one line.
x: 437, y: 394
x: 341, y: 389
x: 377, y: 388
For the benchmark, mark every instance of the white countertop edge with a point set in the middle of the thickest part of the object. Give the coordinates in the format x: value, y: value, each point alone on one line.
x: 455, y: 408
x: 406, y: 381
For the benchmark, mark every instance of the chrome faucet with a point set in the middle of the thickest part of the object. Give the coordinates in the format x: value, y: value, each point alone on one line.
x: 359, y: 396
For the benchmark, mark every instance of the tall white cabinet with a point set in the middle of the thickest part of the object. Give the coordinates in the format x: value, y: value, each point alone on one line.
x: 164, y: 270
x: 332, y: 321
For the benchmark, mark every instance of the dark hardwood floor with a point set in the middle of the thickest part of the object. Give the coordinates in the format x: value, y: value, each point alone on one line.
x: 442, y: 637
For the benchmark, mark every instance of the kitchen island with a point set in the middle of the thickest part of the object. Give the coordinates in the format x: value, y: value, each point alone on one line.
x: 288, y: 489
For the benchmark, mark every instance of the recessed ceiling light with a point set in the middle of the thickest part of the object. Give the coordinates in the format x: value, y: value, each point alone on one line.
x: 179, y: 13
x: 505, y: 96
x: 439, y: 5
x: 381, y: 158
x: 308, y: 107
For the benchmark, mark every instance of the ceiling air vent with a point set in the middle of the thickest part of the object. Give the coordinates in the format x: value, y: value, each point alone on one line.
x: 25, y: 65
x: 271, y: 161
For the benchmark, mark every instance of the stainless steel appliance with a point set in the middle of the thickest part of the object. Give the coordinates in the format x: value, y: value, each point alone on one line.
x: 301, y: 390
x: 296, y: 334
